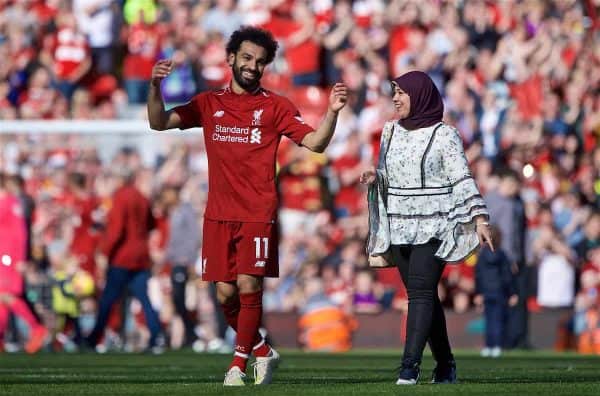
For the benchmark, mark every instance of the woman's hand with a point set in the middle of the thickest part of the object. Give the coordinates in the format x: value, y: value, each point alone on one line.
x: 367, y: 177
x: 484, y: 234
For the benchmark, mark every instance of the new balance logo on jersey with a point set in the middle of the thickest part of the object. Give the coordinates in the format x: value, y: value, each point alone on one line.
x: 299, y: 119
x: 255, y: 136
x: 257, y: 116
x: 260, y: 264
x: 219, y: 113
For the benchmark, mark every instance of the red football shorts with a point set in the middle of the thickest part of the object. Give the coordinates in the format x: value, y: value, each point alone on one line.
x: 230, y: 248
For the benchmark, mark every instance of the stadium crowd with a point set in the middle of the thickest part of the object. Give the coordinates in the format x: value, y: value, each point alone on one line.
x: 520, y: 81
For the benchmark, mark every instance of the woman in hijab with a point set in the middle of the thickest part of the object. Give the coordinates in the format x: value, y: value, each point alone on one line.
x: 425, y: 210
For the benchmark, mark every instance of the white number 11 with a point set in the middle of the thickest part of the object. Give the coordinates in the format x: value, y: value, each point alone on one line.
x: 265, y: 243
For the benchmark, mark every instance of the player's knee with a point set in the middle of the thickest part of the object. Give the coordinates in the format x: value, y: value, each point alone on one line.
x: 248, y: 284
x: 226, y: 293
x: 227, y: 300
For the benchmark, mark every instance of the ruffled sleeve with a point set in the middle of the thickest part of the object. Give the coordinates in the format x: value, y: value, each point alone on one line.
x: 379, y: 238
x: 460, y: 237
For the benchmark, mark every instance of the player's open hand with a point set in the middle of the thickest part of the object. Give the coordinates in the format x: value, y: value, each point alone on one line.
x: 338, y: 97
x: 161, y: 69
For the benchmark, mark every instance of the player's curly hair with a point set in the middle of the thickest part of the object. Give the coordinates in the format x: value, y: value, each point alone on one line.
x: 258, y: 36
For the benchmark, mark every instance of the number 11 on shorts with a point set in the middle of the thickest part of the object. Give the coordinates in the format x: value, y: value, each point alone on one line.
x: 265, y: 242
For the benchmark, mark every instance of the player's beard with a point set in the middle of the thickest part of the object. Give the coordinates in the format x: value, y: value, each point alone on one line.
x: 247, y: 84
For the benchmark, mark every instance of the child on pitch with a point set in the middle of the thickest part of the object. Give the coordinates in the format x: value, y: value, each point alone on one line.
x: 70, y: 286
x: 496, y: 290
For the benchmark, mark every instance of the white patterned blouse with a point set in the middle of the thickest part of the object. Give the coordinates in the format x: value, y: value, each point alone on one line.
x: 426, y: 191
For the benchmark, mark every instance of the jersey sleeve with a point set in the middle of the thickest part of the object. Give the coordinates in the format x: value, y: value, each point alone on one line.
x: 190, y: 113
x: 289, y: 122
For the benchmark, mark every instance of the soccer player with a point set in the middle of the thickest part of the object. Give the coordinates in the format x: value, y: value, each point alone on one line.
x: 243, y: 125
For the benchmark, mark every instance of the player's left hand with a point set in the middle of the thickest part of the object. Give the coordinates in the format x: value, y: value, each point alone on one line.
x: 338, y: 97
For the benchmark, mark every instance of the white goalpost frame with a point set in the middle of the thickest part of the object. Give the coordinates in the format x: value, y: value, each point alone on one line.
x: 108, y: 136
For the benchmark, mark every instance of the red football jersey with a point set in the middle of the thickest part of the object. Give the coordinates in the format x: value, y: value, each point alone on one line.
x: 242, y: 133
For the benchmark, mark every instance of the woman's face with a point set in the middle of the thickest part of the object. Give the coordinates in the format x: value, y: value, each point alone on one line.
x: 401, y: 102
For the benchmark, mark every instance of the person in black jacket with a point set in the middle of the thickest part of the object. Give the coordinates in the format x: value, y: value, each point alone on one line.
x: 496, y: 290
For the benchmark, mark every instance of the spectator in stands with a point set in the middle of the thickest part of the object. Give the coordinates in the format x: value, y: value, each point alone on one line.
x: 555, y: 270
x: 587, y: 305
x: 40, y: 99
x: 591, y: 239
x: 421, y: 166
x: 181, y: 84
x: 366, y: 299
x: 143, y: 45
x: 81, y: 104
x: 133, y: 9
x: 300, y: 42
x: 124, y: 248
x: 101, y: 21
x: 496, y: 290
x: 67, y: 54
x: 335, y: 40
x: 223, y: 18
x: 323, y: 326
x: 303, y: 191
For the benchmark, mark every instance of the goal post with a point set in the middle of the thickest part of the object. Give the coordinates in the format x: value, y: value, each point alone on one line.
x: 107, y: 136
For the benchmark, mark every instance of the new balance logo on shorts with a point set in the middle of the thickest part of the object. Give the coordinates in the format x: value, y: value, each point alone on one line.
x: 260, y: 264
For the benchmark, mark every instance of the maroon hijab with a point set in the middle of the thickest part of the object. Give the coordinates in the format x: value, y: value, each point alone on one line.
x: 426, y: 106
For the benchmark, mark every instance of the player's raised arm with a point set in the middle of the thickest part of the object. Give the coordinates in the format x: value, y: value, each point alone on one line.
x: 319, y: 139
x: 158, y: 117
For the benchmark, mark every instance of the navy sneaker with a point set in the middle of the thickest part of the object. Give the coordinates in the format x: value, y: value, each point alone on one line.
x: 409, y: 374
x: 444, y: 373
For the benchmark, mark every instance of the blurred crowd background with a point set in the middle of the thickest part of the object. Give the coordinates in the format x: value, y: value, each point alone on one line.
x: 520, y: 81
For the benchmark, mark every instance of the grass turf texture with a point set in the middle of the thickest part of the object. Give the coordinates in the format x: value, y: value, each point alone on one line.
x: 356, y: 373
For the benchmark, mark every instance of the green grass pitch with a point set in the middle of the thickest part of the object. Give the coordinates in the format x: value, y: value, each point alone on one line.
x: 364, y: 372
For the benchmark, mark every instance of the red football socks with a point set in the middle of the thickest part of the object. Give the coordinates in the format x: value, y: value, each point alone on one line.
x: 248, y: 322
x: 231, y: 312
x: 260, y: 349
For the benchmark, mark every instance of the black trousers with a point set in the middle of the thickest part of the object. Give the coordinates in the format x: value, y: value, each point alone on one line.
x: 179, y: 279
x: 421, y: 271
x: 517, y: 329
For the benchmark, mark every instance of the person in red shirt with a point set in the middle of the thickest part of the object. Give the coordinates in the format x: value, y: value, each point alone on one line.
x: 243, y: 125
x: 82, y: 204
x: 70, y: 56
x: 124, y: 245
x: 143, y: 46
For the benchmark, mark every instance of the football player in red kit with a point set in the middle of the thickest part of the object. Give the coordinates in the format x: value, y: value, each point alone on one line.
x: 243, y: 124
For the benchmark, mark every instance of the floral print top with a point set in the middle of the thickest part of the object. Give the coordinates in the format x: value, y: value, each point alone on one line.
x: 429, y: 192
